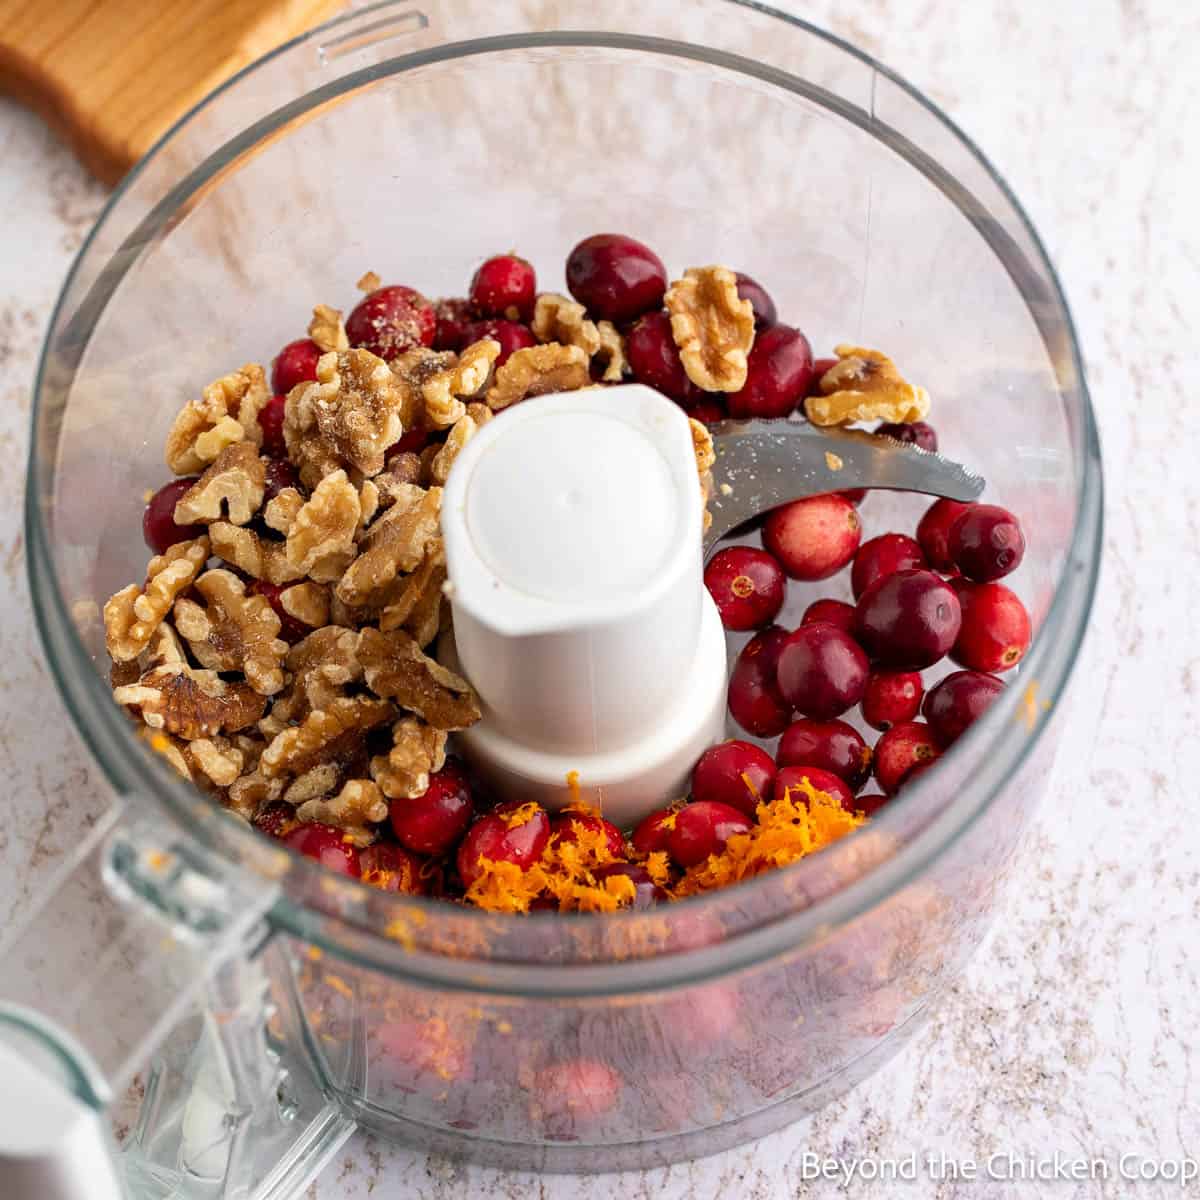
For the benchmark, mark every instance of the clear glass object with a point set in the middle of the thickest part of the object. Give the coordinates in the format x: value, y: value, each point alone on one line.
x: 278, y: 1005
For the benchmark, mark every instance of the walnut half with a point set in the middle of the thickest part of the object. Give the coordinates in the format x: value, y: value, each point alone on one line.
x: 865, y: 385
x: 712, y: 326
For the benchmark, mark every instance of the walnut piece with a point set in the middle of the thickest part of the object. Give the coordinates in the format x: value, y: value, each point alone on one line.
x: 307, y: 603
x: 360, y: 802
x: 322, y: 665
x: 258, y: 557
x: 864, y: 385
x: 442, y: 392
x: 217, y: 759
x: 464, y: 430
x: 227, y: 412
x: 418, y: 606
x: 282, y: 510
x: 320, y: 781
x: 320, y: 542
x: 327, y: 330
x: 712, y: 326
x: 331, y: 734
x: 253, y: 790
x: 396, y: 668
x: 611, y: 352
x: 417, y: 751
x: 702, y: 444
x: 559, y: 319
x: 396, y: 543
x: 234, y: 632
x: 369, y: 282
x: 133, y: 614
x: 192, y: 703
x: 538, y: 371
x: 231, y: 489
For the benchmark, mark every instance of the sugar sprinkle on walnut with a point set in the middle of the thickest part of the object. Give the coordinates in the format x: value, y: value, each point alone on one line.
x: 227, y: 412
x: 712, y: 326
x: 865, y: 385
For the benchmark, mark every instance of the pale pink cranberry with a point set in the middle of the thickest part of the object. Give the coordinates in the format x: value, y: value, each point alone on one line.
x: 702, y: 828
x: 504, y: 286
x: 996, y: 630
x: 735, y: 773
x: 883, y: 555
x: 764, y: 307
x: 830, y: 612
x: 908, y: 620
x: 491, y: 837
x: 325, y: 844
x: 830, y: 745
x: 654, y: 359
x: 747, y: 586
x: 576, y: 1093
x: 295, y: 363
x: 391, y: 320
x: 790, y: 778
x: 511, y: 335
x: 813, y: 538
x: 933, y: 533
x: 433, y: 822
x: 891, y: 697
x: 958, y: 701
x: 158, y: 520
x: 615, y: 278
x: 780, y: 372
x: 906, y: 745
x: 755, y: 701
x: 821, y: 671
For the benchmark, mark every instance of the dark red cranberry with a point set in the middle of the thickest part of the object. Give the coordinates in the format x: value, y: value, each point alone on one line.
x: 453, y: 317
x: 275, y: 819
x: 957, y: 701
x: 735, y: 773
x: 831, y: 745
x: 158, y: 521
x: 652, y: 832
x: 412, y: 442
x: 567, y: 826
x: 506, y: 834
x: 615, y: 277
x: 654, y: 359
x: 708, y: 409
x: 891, y: 697
x: 855, y: 495
x: 778, y: 376
x: 821, y: 671
x: 702, y: 828
x: 883, y: 555
x: 820, y: 366
x: 432, y: 822
x: 870, y: 805
x: 908, y: 620
x: 391, y: 868
x: 290, y: 629
x: 824, y: 781
x: 813, y: 538
x: 918, y: 433
x: 646, y: 893
x: 747, y: 586
x: 511, y: 335
x: 295, y: 363
x: 933, y: 533
x: 270, y: 421
x: 504, y: 286
x: 986, y: 543
x: 764, y: 307
x: 996, y: 630
x: 279, y: 474
x: 830, y: 612
x: 391, y: 320
x: 327, y: 845
x: 755, y: 701
x: 903, y: 747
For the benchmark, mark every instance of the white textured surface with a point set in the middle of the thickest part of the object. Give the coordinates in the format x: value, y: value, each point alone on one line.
x: 1075, y: 1026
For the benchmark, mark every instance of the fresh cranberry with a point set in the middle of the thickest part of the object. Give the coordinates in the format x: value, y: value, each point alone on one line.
x: 708, y: 409
x: 158, y: 521
x: 824, y: 781
x: 492, y: 837
x: 432, y: 822
x: 986, y: 543
x: 813, y: 538
x: 830, y: 612
x: 654, y: 359
x: 917, y: 434
x: 270, y: 421
x: 646, y: 893
x: 504, y: 286
x: 576, y: 1092
x: 511, y: 335
x: 290, y: 629
x: 821, y: 671
x: 412, y: 442
x: 615, y: 277
x: 908, y: 620
x: 891, y: 697
x: 327, y: 845
x: 390, y: 321
x: 652, y: 832
x: 453, y: 317
x: 996, y: 630
x: 735, y: 773
x: 419, y: 1055
x: 820, y: 367
x: 903, y: 747
x: 755, y: 701
x: 295, y: 363
x: 567, y: 826
x: 275, y: 819
x: 764, y: 307
x: 870, y: 805
x: 958, y: 701
x: 933, y: 533
x: 778, y: 375
x: 747, y: 585
x: 831, y: 745
x: 391, y: 868
x: 279, y: 474
x: 702, y: 828
x: 855, y: 495
x: 883, y: 555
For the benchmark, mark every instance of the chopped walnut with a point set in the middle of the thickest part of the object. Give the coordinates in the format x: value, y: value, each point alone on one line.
x: 413, y: 370
x: 418, y: 606
x: 327, y: 330
x: 359, y: 803
x: 192, y: 703
x: 320, y: 781
x: 234, y: 632
x: 307, y: 603
x: 611, y: 352
x: 369, y: 282
x: 216, y: 758
x: 479, y: 413
x: 712, y: 326
x: 402, y: 469
x: 170, y: 748
x: 396, y: 543
x: 133, y: 614
x: 464, y: 430
x: 559, y: 319
x: 258, y: 557
x: 325, y: 736
x: 702, y: 444
x: 322, y: 665
x: 538, y: 371
x: 231, y: 489
x: 443, y: 391
x: 368, y: 502
x: 253, y: 790
x: 864, y: 385
x: 320, y: 542
x: 417, y: 751
x: 396, y: 668
x: 282, y: 510
x: 226, y: 413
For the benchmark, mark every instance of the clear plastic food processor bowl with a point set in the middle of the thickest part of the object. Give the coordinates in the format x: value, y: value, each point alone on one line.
x: 270, y: 1006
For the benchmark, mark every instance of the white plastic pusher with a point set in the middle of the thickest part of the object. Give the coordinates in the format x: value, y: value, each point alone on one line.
x: 572, y: 526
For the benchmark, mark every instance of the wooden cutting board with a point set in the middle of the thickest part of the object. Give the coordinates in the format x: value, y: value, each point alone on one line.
x: 113, y: 75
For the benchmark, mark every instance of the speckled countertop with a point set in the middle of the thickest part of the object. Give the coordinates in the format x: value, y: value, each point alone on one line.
x: 1077, y: 1027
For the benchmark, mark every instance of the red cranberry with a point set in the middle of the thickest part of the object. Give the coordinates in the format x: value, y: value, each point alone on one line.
x: 958, y: 701
x: 870, y: 805
x: 764, y: 307
x: 158, y: 521
x: 821, y: 671
x: 391, y: 868
x: 747, y: 585
x: 996, y: 630
x: 432, y: 822
x: 900, y: 749
x: 908, y: 620
x: 708, y: 409
x: 275, y: 819
x: 493, y: 838
x: 891, y: 697
x: 419, y: 1055
x: 567, y: 826
x: 270, y: 421
x: 734, y: 773
x: 755, y: 701
x: 390, y: 321
x: 576, y: 1092
x: 830, y: 612
x: 504, y: 286
x: 412, y: 442
x: 511, y: 335
x: 883, y: 555
x: 615, y: 277
x: 327, y: 845
x: 295, y: 363
x: 824, y: 781
x: 290, y: 629
x: 917, y: 434
x: 280, y: 474
x: 855, y: 495
x: 702, y: 828
x: 646, y: 893
x: 986, y: 543
x: 652, y: 832
x: 831, y: 745
x: 778, y: 376
x: 654, y: 359
x: 820, y: 367
x: 813, y: 538
x: 933, y: 532
x: 452, y: 317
